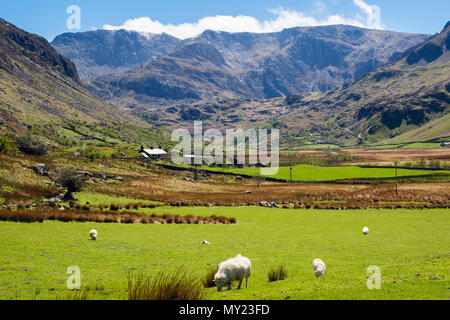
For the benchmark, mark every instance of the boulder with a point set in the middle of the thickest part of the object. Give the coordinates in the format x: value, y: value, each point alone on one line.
x: 41, y: 169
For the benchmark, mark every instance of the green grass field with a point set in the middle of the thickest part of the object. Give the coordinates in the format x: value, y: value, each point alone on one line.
x: 315, y: 173
x: 422, y: 145
x: 318, y: 147
x: 410, y: 247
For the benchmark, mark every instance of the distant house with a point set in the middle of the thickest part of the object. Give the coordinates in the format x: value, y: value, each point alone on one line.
x: 155, y: 154
x: 445, y: 144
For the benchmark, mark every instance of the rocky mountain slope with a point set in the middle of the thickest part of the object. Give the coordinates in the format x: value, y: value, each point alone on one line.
x: 393, y: 99
x: 247, y: 65
x: 404, y: 101
x: 39, y: 88
x: 103, y: 52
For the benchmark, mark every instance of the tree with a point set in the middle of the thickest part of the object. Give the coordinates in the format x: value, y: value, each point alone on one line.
x: 70, y: 179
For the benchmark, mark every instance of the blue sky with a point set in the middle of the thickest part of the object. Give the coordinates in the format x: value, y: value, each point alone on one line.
x: 48, y: 17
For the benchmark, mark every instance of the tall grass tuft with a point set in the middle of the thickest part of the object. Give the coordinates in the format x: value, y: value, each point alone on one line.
x: 166, y: 285
x: 277, y: 273
x: 208, y: 281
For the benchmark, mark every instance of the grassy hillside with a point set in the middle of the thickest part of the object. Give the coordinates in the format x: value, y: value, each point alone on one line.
x: 436, y: 128
x: 40, y: 89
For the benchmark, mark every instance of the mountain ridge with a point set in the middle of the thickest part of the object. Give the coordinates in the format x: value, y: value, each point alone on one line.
x: 259, y: 65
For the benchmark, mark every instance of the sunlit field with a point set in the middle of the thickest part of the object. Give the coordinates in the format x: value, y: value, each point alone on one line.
x: 409, y: 246
x: 317, y: 173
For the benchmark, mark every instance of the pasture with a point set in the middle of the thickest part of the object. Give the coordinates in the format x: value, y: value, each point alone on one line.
x: 411, y: 247
x: 311, y: 173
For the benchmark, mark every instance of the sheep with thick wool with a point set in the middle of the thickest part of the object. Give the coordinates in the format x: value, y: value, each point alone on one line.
x: 234, y: 269
x: 93, y: 234
x: 318, y: 267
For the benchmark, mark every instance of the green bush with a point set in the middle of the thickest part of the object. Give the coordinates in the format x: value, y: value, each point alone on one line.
x: 32, y: 145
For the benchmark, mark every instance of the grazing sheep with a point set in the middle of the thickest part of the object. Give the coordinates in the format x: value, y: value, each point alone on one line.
x: 93, y: 233
x: 365, y: 230
x: 318, y: 267
x: 231, y: 270
x: 206, y: 242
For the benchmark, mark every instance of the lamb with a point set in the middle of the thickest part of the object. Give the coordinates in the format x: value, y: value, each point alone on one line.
x: 318, y: 267
x: 231, y: 270
x: 93, y: 233
x: 365, y: 230
x: 206, y: 242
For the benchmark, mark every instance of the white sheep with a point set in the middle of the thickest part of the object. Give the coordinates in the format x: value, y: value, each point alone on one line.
x: 231, y: 270
x: 93, y: 233
x: 318, y: 267
x: 206, y: 242
x: 365, y: 230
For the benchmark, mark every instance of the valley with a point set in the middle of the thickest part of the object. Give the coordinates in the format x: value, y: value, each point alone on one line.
x: 86, y: 124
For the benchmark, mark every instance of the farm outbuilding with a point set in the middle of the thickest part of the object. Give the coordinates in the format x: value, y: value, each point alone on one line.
x: 154, y: 154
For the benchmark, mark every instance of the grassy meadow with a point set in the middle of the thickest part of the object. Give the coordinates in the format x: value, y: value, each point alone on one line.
x: 318, y: 173
x: 410, y: 247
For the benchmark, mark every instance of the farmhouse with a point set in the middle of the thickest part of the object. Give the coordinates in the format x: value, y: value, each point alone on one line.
x: 155, y: 154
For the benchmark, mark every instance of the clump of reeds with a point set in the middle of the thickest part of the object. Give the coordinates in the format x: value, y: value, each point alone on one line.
x: 277, y: 273
x: 166, y: 285
x: 208, y: 280
x: 84, y: 215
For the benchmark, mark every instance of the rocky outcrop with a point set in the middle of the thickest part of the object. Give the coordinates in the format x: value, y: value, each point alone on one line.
x: 103, y: 52
x: 16, y: 42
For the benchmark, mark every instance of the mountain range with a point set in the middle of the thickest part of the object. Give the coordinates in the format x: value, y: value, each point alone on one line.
x: 229, y: 65
x: 352, y: 85
x: 405, y: 100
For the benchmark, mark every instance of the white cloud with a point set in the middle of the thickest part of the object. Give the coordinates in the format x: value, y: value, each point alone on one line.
x: 283, y: 18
